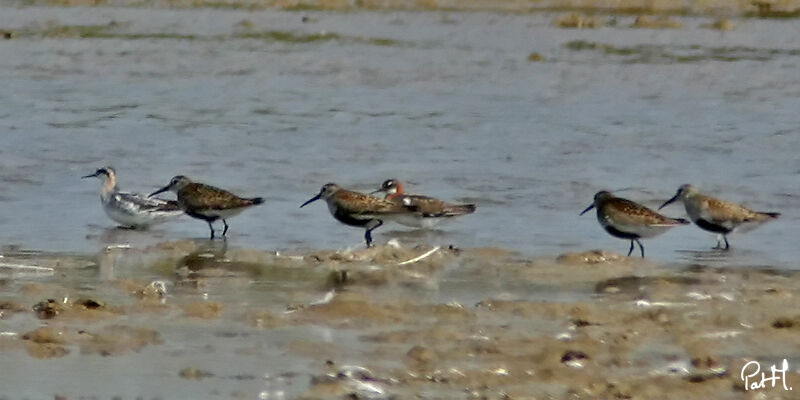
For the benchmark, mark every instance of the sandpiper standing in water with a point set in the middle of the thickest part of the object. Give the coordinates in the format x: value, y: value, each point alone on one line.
x: 357, y: 209
x: 132, y: 210
x: 718, y: 216
x: 626, y: 219
x: 428, y: 211
x: 207, y: 202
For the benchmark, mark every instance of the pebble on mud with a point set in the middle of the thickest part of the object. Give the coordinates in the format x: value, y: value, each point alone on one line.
x: 48, y: 309
x: 784, y: 323
x: 573, y: 355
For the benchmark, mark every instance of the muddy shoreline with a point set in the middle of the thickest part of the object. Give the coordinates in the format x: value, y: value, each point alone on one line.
x: 404, y: 324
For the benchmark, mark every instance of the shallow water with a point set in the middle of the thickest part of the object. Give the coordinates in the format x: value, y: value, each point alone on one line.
x: 265, y: 104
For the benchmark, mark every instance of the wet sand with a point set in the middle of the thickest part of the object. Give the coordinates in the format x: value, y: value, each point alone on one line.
x: 393, y: 322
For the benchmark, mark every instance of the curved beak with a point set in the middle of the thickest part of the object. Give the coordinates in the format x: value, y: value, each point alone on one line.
x: 94, y: 175
x: 587, y: 209
x: 162, y: 190
x: 311, y: 200
x: 669, y: 201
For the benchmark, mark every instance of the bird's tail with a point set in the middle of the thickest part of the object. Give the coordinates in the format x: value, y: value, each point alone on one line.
x: 460, y: 209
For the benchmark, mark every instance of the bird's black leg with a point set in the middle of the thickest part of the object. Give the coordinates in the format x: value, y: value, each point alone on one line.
x: 212, y: 229
x: 631, y: 249
x: 224, y: 231
x: 368, y: 234
x: 641, y: 248
x: 727, y: 246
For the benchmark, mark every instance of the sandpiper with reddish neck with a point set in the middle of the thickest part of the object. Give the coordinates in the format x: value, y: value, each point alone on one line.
x: 426, y: 211
x: 357, y: 209
x: 718, y: 216
x: 132, y: 210
x: 626, y: 219
x: 207, y: 202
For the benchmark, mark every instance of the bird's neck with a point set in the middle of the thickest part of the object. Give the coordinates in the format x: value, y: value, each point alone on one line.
x: 398, y: 192
x: 109, y: 186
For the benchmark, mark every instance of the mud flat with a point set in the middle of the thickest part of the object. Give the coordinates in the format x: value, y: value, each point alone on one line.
x: 391, y: 322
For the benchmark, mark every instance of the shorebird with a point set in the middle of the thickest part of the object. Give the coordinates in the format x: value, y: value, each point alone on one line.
x: 626, y: 219
x: 132, y: 210
x: 718, y: 216
x: 428, y: 211
x: 207, y: 202
x: 357, y: 209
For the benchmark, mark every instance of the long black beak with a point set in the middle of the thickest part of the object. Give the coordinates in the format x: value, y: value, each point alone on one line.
x: 162, y: 190
x: 377, y: 191
x: 587, y: 209
x: 94, y: 175
x: 311, y: 200
x: 669, y: 201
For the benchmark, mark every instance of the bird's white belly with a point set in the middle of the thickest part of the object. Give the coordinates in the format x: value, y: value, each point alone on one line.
x: 127, y: 214
x: 643, y: 231
x: 416, y: 221
x: 127, y: 219
x: 223, y: 214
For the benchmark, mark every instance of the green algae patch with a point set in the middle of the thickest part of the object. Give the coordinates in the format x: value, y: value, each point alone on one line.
x: 66, y: 31
x: 300, y: 38
x: 111, y: 31
x: 289, y: 37
x: 143, y: 36
x: 668, y: 54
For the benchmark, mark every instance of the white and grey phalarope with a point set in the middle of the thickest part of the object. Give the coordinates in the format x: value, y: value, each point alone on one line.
x: 132, y: 210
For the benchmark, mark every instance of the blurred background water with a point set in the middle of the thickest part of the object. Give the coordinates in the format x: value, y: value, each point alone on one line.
x: 276, y: 104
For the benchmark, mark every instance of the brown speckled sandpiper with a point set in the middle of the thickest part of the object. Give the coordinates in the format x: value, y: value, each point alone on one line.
x: 626, y: 219
x: 207, y: 202
x: 357, y: 209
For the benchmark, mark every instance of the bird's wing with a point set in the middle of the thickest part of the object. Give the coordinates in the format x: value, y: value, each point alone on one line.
x: 134, y: 202
x: 632, y: 213
x: 355, y: 203
x: 725, y: 213
x: 431, y: 207
x: 204, y: 197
